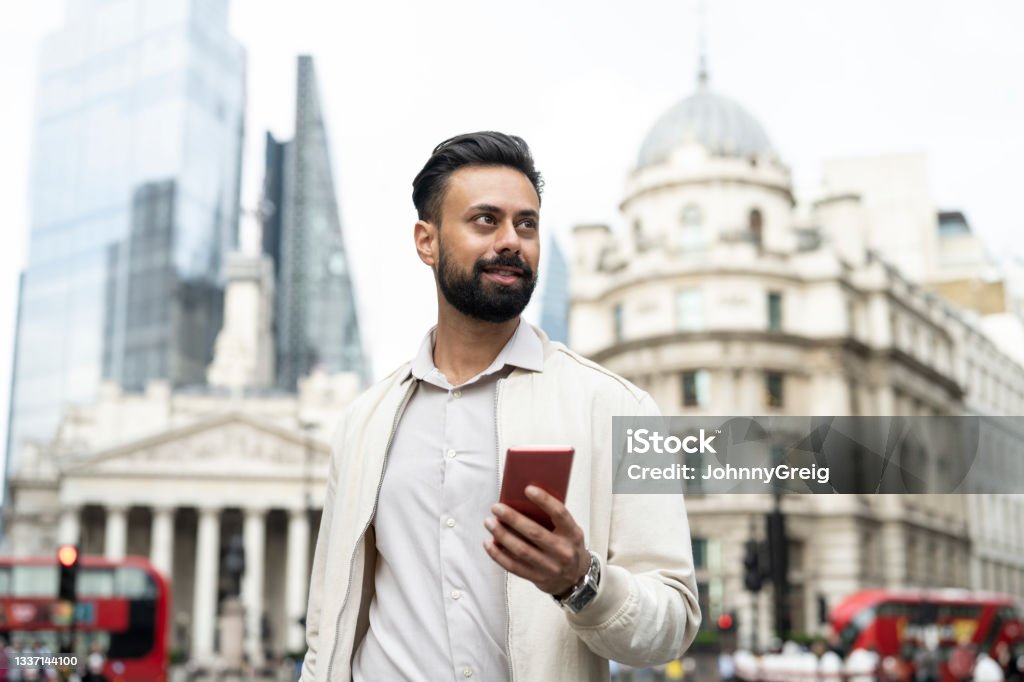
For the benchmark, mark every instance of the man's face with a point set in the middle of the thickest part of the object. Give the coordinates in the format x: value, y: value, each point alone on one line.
x: 488, y: 243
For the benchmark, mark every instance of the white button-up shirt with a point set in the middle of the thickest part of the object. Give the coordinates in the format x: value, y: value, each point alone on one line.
x: 438, y: 610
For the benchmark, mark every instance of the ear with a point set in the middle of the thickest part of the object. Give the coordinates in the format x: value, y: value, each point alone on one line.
x: 425, y: 236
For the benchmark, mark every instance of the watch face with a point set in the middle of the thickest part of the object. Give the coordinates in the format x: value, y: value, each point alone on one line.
x: 581, y: 598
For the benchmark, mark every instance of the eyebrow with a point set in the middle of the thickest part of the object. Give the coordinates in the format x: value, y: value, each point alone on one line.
x: 491, y: 208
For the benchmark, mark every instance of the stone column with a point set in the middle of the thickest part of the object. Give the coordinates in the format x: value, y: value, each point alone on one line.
x: 204, y: 605
x: 254, y: 536
x: 116, y: 536
x: 753, y: 391
x: 161, y: 540
x: 70, y: 526
x: 297, y: 576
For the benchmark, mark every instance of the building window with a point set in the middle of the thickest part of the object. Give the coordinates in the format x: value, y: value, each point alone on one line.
x: 704, y: 601
x: 694, y: 460
x: 700, y: 553
x: 638, y: 235
x: 773, y: 395
x: 617, y: 321
x: 691, y: 229
x: 774, y: 311
x: 689, y: 310
x: 756, y: 224
x: 696, y: 388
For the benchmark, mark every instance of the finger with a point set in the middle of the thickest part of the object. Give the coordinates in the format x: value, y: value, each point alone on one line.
x: 529, y: 529
x: 552, y: 506
x: 508, y: 562
x: 520, y: 549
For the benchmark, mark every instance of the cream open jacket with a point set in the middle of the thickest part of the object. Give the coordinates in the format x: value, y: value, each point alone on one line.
x: 646, y: 609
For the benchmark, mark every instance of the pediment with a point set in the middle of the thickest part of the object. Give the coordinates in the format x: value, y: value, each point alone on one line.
x: 231, y: 445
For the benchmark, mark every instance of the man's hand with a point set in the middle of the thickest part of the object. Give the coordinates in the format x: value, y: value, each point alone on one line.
x: 555, y: 560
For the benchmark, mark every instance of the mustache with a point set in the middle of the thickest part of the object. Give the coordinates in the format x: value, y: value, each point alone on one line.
x: 504, y: 260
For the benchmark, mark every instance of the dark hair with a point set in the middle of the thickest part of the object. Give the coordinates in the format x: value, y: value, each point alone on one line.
x: 486, y: 148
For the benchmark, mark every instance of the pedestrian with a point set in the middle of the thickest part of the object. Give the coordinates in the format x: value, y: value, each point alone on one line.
x: 94, y: 664
x: 987, y: 670
x: 418, y: 573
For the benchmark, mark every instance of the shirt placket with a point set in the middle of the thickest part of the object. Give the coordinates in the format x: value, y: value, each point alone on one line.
x: 455, y: 594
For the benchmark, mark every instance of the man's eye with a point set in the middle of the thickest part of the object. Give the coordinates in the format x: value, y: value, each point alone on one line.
x: 487, y: 219
x: 529, y: 224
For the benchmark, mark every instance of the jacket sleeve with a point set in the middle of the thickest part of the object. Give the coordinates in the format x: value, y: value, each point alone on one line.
x: 316, y: 580
x: 646, y: 610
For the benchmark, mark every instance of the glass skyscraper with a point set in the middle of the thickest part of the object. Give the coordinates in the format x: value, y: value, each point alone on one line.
x: 315, y: 317
x: 134, y: 200
x: 554, y: 315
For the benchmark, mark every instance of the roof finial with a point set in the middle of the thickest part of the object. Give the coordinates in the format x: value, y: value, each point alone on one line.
x: 702, y: 46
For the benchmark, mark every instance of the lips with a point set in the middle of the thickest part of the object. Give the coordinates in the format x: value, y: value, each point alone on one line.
x: 503, y: 274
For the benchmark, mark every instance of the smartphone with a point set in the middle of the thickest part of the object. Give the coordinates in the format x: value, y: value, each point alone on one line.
x: 545, y: 466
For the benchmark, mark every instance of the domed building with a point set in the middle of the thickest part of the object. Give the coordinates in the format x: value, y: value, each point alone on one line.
x: 720, y: 298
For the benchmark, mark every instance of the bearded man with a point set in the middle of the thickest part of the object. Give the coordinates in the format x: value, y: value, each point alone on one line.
x: 419, y: 574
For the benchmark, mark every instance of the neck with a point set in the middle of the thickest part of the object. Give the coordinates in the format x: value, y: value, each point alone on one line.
x: 465, y: 346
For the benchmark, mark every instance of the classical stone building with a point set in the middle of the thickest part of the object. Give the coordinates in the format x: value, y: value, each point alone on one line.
x: 174, y: 476
x: 725, y: 296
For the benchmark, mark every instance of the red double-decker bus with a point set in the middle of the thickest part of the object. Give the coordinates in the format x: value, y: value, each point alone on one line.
x: 895, y: 622
x: 121, y: 612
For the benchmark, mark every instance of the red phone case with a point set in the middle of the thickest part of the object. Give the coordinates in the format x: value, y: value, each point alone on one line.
x: 545, y: 466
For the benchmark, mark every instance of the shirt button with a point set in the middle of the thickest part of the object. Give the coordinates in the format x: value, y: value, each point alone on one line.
x: 458, y: 394
x: 451, y: 454
x: 456, y: 594
x: 467, y: 672
x: 451, y: 523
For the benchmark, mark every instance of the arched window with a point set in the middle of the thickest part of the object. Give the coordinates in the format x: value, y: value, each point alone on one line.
x: 691, y: 229
x: 756, y: 225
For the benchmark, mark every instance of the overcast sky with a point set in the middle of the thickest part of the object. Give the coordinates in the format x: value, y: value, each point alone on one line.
x: 583, y: 82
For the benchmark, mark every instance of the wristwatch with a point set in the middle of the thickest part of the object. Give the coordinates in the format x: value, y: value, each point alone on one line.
x: 583, y: 592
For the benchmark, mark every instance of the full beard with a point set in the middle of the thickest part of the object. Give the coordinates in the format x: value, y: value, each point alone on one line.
x: 490, y: 302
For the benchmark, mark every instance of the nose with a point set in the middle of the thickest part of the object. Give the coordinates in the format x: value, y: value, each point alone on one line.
x: 506, y: 238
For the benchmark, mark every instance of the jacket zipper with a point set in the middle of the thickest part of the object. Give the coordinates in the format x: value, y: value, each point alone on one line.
x: 352, y: 561
x: 497, y: 453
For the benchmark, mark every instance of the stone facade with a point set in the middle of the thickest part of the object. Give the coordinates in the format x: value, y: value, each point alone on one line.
x: 724, y: 296
x: 174, y: 476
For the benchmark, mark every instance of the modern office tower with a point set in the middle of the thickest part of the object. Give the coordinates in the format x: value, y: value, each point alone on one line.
x: 134, y: 195
x: 315, y: 314
x: 554, y: 314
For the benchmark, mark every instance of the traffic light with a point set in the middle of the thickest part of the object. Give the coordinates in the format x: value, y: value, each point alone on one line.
x: 726, y: 623
x: 753, y: 576
x: 67, y: 558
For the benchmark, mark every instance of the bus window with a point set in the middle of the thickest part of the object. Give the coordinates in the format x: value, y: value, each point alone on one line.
x: 49, y: 639
x: 856, y: 626
x: 96, y: 582
x: 893, y: 609
x: 34, y: 581
x: 924, y: 613
x: 5, y: 581
x: 134, y: 583
x: 86, y: 640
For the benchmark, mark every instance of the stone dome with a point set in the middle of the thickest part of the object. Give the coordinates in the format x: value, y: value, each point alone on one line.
x: 717, y: 123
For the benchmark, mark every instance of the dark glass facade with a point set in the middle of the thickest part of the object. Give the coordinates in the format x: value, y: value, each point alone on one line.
x: 315, y: 317
x: 137, y: 146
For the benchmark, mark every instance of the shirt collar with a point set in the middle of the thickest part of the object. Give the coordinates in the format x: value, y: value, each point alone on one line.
x: 523, y: 350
